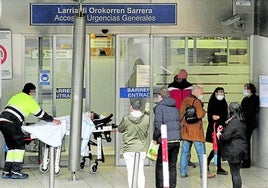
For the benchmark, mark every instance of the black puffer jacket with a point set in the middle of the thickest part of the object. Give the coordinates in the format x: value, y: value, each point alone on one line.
x: 233, y: 142
x: 167, y: 113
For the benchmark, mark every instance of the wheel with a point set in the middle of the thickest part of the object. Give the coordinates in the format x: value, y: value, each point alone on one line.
x: 93, y: 168
x: 82, y: 165
x: 58, y: 173
x: 42, y: 169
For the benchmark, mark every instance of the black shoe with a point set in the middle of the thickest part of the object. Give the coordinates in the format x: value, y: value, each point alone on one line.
x: 19, y: 175
x: 245, y: 166
x: 222, y: 172
x: 6, y: 175
x: 190, y: 163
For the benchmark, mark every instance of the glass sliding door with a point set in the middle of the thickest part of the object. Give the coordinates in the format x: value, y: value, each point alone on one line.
x: 132, y: 78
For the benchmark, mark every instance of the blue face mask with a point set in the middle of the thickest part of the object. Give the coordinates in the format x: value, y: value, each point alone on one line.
x: 245, y: 93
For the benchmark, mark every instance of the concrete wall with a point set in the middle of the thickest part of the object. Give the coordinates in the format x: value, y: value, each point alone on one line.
x: 260, y: 140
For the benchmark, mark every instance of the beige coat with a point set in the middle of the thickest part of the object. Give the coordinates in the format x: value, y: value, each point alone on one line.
x: 195, y: 131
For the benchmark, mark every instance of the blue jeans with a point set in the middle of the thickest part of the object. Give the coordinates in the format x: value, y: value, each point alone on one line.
x: 185, y: 151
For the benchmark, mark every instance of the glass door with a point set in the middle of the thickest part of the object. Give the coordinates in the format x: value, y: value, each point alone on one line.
x: 38, y: 70
x: 132, y: 78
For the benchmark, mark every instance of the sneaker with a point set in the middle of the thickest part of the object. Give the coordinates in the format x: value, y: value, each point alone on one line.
x: 6, y: 175
x: 19, y: 175
x: 222, y: 172
x: 184, y: 176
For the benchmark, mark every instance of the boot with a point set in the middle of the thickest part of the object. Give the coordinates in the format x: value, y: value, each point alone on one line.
x: 16, y: 172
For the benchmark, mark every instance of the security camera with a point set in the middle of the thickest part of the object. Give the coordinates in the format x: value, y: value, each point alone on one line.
x: 231, y: 20
x: 104, y: 31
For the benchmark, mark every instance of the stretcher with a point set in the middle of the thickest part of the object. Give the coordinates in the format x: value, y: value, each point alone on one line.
x: 54, y: 134
x: 103, y: 129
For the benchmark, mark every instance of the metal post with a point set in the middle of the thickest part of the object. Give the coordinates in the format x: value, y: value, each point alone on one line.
x: 79, y: 36
x: 51, y: 167
x: 204, y: 172
x: 165, y: 156
x: 135, y: 170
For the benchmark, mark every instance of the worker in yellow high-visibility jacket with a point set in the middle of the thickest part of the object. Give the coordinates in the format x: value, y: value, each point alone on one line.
x: 19, y: 107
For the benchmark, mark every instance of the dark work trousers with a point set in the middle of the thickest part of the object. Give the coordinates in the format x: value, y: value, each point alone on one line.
x: 211, y: 155
x: 235, y: 172
x: 173, y: 151
x: 14, y: 138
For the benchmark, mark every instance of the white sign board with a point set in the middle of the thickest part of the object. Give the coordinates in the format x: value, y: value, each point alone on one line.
x: 263, y: 80
x: 143, y: 76
x: 5, y: 54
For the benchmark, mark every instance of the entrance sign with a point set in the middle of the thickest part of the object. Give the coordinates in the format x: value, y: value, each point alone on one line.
x: 5, y: 54
x: 65, y: 93
x: 108, y: 14
x: 134, y: 92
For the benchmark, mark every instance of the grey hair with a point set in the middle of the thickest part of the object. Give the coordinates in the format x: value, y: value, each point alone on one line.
x: 163, y: 92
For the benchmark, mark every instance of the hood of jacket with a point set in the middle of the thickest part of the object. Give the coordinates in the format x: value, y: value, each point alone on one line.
x: 168, y: 102
x: 135, y: 119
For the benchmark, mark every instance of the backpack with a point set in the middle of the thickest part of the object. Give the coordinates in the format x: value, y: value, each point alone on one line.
x: 190, y: 114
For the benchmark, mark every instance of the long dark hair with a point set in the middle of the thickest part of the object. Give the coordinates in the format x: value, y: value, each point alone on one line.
x: 235, y: 111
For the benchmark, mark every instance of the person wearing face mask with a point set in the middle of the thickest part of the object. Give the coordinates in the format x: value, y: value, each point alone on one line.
x: 18, y: 107
x: 193, y: 133
x: 179, y: 89
x: 250, y: 106
x: 217, y: 114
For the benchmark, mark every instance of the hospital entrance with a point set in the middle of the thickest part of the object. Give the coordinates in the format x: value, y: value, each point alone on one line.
x: 48, y: 64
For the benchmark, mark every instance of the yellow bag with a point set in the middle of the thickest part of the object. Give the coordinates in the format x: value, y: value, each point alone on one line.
x: 152, y: 151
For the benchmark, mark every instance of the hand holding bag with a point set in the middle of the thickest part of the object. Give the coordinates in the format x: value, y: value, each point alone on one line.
x: 152, y: 151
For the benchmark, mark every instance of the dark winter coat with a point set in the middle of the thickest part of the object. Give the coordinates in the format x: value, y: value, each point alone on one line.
x: 167, y: 113
x: 250, y: 107
x: 216, y: 107
x: 233, y: 142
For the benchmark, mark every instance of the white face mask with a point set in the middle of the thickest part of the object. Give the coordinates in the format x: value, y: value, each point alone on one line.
x: 220, y: 97
x: 245, y: 93
x: 200, y: 97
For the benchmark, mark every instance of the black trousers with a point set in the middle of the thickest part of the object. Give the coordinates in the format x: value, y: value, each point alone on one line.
x: 14, y: 138
x: 235, y: 172
x: 249, y: 134
x: 173, y: 151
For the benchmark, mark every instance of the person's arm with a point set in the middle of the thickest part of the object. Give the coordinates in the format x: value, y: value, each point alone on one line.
x: 157, y: 123
x: 228, y: 133
x: 199, y: 109
x: 41, y: 114
x: 122, y: 126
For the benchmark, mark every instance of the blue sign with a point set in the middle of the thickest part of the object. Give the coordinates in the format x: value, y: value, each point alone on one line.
x: 44, y: 77
x: 65, y: 93
x: 108, y: 14
x: 134, y: 92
